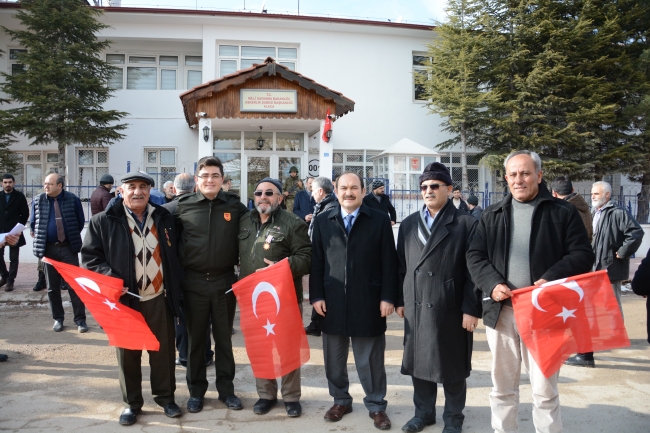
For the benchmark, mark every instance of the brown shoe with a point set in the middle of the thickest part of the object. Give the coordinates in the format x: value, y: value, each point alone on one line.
x: 336, y: 412
x: 381, y: 420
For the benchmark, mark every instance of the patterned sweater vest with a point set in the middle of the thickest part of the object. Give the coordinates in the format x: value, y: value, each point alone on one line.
x: 148, y: 260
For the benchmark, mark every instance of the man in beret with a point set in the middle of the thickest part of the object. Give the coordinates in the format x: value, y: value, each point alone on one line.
x: 268, y: 234
x: 380, y: 201
x: 135, y: 240
x: 438, y: 302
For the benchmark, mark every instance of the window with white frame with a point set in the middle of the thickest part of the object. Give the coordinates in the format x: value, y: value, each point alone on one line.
x: 452, y: 161
x: 92, y: 164
x: 419, y: 72
x: 232, y: 58
x: 14, y: 66
x: 154, y: 72
x: 33, y: 167
x: 160, y: 164
x: 357, y: 161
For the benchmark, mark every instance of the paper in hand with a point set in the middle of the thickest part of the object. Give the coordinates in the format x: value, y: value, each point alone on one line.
x: 18, y: 229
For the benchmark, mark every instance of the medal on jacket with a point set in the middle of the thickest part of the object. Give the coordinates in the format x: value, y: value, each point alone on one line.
x: 267, y: 242
x: 167, y: 236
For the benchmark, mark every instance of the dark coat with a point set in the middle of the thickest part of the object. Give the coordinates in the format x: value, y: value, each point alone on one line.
x: 436, y: 289
x: 641, y: 286
x: 99, y: 199
x: 617, y: 233
x: 384, y: 206
x: 354, y: 273
x: 108, y: 249
x: 559, y: 246
x: 583, y: 208
x: 476, y: 212
x: 303, y: 204
x: 14, y: 211
x: 326, y: 204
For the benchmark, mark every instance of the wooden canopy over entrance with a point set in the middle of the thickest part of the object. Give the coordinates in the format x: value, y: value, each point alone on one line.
x: 221, y: 98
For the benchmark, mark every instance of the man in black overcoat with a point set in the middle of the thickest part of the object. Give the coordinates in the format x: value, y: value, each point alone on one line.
x: 14, y: 209
x: 353, y: 285
x: 438, y: 301
x: 380, y: 201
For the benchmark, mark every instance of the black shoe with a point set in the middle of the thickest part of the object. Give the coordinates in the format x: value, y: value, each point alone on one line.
x: 452, y: 429
x: 294, y: 409
x: 416, y: 424
x: 232, y: 402
x: 58, y: 326
x: 580, y: 360
x: 181, y: 362
x: 40, y: 284
x: 3, y: 281
x: 10, y: 286
x: 129, y: 416
x: 82, y: 327
x: 314, y: 332
x: 3, y: 357
x: 172, y: 410
x: 209, y: 362
x: 195, y: 404
x: 264, y: 405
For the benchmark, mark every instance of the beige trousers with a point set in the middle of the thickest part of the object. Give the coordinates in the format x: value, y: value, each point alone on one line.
x: 268, y: 388
x: 508, y: 352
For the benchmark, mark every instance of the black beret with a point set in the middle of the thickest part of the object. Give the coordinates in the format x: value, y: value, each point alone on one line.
x: 271, y: 180
x: 436, y: 171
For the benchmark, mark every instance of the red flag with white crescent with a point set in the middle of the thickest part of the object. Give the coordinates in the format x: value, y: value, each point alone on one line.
x: 573, y: 315
x: 124, y: 327
x: 270, y: 320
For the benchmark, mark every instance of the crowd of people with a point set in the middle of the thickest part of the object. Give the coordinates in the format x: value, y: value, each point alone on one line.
x: 452, y: 264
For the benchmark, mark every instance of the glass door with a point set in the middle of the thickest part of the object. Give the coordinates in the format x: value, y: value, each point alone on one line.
x: 258, y: 166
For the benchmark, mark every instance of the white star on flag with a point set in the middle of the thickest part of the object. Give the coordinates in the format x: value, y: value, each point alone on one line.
x: 269, y: 328
x: 565, y: 314
x: 111, y: 305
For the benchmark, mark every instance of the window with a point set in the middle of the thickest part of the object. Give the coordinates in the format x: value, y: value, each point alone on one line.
x: 419, y: 73
x: 154, y: 72
x: 160, y: 164
x: 14, y: 66
x: 92, y: 164
x: 452, y: 161
x: 227, y: 147
x: 233, y: 58
x: 32, y: 169
x: 357, y: 161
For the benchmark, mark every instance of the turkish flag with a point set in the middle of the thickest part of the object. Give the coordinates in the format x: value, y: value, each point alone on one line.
x: 573, y: 315
x: 327, y: 127
x: 274, y: 335
x: 124, y: 327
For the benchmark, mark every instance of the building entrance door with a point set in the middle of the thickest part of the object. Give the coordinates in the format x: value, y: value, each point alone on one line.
x: 277, y: 165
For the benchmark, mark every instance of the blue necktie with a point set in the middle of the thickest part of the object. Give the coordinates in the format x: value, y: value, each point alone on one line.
x: 348, y: 225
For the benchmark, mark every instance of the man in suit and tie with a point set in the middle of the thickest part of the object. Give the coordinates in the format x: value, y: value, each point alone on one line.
x: 438, y: 302
x: 13, y: 209
x: 353, y: 285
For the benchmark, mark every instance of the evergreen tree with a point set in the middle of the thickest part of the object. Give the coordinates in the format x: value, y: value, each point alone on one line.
x: 63, y: 88
x: 452, y: 84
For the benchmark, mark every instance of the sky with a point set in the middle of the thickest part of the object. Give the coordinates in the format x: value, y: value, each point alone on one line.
x: 412, y: 11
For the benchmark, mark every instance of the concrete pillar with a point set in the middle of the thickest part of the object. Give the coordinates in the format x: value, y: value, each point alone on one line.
x: 325, y: 153
x: 205, y: 147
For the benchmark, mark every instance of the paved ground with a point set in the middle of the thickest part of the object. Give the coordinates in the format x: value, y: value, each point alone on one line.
x: 66, y: 381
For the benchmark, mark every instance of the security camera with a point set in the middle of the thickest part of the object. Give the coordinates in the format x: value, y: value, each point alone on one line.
x: 202, y: 114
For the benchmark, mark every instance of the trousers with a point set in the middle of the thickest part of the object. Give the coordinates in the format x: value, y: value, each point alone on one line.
x: 424, y: 398
x: 10, y: 274
x: 53, y: 278
x: 508, y: 352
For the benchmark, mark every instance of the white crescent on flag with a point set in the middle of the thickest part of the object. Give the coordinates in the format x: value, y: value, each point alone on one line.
x: 87, y: 283
x: 261, y: 288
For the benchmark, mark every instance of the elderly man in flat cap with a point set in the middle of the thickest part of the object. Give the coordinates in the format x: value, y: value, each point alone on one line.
x: 438, y: 302
x: 380, y: 201
x: 135, y: 240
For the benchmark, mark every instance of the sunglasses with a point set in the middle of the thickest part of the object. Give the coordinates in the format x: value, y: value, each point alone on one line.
x: 432, y: 187
x: 266, y: 193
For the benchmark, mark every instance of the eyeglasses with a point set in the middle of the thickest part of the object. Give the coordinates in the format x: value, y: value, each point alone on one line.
x: 206, y: 176
x: 432, y: 187
x: 267, y: 193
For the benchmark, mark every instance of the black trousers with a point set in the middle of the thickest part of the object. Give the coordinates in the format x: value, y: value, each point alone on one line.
x: 10, y: 275
x: 160, y: 320
x: 206, y: 300
x: 424, y: 398
x: 181, y: 341
x: 53, y: 278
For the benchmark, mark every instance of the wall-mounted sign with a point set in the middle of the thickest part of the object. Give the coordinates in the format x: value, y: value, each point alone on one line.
x: 268, y: 101
x: 313, y: 169
x: 415, y: 164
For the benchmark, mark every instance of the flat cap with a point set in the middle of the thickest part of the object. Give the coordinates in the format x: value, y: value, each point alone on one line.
x: 138, y: 175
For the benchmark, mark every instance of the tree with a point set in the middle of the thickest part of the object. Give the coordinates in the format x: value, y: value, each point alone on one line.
x: 452, y: 84
x: 63, y: 88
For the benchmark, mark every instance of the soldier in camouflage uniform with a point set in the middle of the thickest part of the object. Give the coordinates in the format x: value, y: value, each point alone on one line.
x: 291, y: 186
